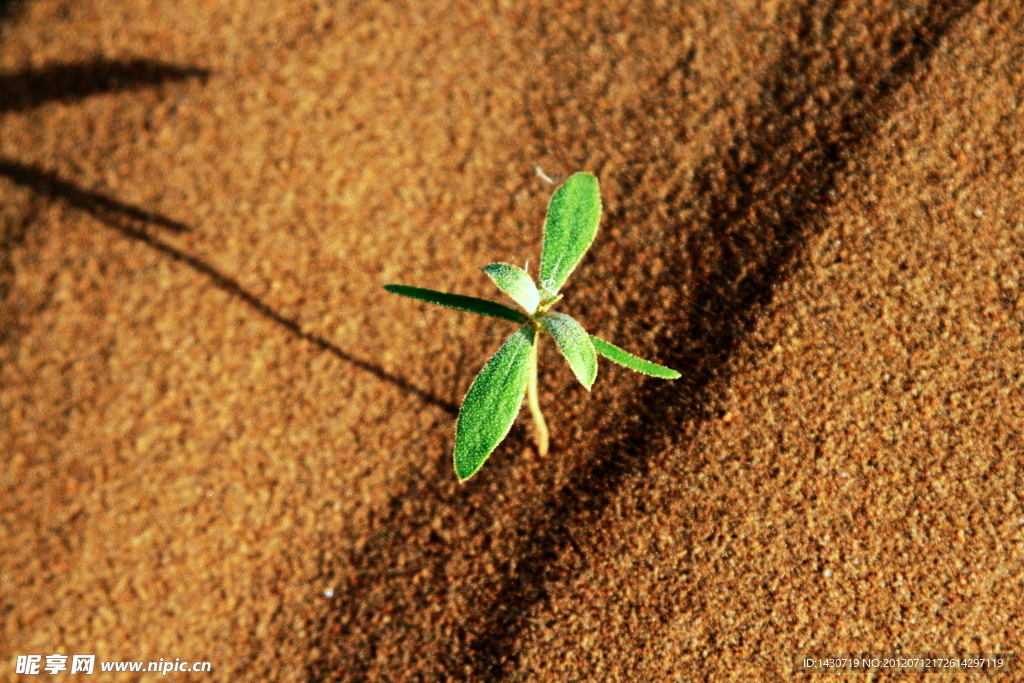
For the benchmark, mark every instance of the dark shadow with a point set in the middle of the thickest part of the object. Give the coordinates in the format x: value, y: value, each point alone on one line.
x: 130, y: 221
x: 67, y: 82
x: 232, y: 287
x: 765, y: 195
x: 74, y: 81
x: 9, y: 9
x: 107, y: 209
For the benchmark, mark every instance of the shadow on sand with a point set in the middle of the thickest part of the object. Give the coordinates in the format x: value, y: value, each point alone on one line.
x: 67, y: 82
x: 765, y: 195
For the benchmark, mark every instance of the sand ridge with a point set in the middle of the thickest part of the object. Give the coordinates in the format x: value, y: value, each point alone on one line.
x: 222, y: 441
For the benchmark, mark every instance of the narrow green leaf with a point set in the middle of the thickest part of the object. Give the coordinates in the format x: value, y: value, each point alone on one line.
x: 614, y: 353
x: 460, y: 302
x: 515, y: 282
x: 574, y: 343
x: 569, y: 230
x: 492, y: 403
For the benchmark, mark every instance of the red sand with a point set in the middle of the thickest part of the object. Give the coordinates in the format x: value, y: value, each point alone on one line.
x: 222, y: 441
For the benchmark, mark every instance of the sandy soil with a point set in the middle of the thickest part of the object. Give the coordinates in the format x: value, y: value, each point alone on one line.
x: 222, y: 441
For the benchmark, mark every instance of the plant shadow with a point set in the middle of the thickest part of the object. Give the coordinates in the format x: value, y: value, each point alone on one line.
x: 107, y: 209
x: 68, y: 82
x: 27, y: 89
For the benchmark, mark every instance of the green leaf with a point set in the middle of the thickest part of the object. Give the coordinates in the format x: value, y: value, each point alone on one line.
x: 574, y: 343
x: 492, y: 403
x: 569, y: 230
x: 515, y: 282
x: 460, y: 302
x: 617, y: 355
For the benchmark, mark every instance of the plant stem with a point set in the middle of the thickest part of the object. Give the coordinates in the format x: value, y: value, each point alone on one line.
x: 540, y: 426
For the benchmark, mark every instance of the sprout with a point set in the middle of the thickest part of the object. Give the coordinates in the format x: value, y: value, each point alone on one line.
x: 496, y: 395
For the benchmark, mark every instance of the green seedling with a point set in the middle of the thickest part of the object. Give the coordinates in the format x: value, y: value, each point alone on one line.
x: 496, y: 395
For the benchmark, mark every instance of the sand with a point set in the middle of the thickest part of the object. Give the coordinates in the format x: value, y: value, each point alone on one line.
x: 223, y: 442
